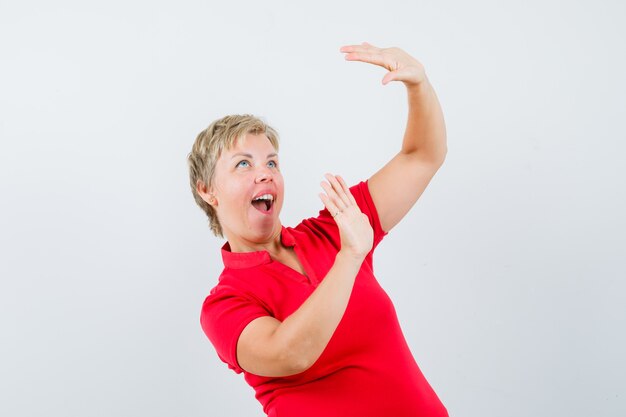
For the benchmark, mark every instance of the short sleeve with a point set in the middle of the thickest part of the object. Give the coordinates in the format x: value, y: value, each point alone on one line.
x: 225, y: 313
x: 364, y: 200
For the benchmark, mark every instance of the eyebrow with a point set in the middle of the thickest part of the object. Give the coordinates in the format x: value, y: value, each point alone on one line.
x: 247, y: 155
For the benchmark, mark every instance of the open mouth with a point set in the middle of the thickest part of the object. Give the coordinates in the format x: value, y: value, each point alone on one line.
x: 263, y: 203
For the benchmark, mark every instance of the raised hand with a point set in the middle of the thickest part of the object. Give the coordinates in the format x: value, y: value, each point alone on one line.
x: 401, y: 66
x: 355, y: 230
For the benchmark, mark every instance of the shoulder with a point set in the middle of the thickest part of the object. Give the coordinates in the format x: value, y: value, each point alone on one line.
x: 232, y: 284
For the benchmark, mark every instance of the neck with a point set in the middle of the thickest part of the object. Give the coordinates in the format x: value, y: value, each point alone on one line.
x: 240, y: 244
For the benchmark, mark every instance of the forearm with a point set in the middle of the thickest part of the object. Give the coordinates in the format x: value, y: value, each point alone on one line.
x: 305, y: 334
x: 425, y: 133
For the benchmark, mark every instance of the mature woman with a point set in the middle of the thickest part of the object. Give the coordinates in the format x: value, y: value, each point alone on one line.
x: 298, y: 309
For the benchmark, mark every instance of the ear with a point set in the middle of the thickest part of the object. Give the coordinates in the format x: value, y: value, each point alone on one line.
x: 206, y: 193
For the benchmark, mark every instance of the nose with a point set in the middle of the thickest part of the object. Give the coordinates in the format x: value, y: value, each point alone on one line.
x: 264, y: 175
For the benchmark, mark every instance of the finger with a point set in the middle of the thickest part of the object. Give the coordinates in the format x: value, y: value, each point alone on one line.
x: 363, y: 47
x: 346, y: 190
x: 373, y: 57
x: 332, y: 195
x: 330, y: 206
x: 338, y: 189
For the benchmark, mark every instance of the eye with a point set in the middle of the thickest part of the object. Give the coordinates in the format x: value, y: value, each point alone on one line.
x: 272, y: 164
x: 241, y: 163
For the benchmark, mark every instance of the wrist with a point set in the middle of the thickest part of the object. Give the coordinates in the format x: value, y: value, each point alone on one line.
x: 349, y: 257
x: 419, y: 88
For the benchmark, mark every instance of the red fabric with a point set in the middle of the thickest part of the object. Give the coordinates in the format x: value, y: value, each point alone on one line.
x: 366, y: 369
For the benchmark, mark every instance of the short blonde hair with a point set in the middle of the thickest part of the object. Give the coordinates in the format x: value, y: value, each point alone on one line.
x: 219, y: 136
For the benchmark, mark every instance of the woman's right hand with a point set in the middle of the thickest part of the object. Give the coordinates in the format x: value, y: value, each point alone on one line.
x: 355, y: 231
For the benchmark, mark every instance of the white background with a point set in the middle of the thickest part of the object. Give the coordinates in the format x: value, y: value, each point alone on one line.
x: 508, y: 274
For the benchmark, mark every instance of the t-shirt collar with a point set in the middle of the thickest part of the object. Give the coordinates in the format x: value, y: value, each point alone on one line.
x: 238, y: 260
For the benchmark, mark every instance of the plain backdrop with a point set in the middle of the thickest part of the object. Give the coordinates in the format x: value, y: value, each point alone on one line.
x: 508, y: 275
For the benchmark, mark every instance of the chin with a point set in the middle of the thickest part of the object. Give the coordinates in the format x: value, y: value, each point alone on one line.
x: 264, y: 229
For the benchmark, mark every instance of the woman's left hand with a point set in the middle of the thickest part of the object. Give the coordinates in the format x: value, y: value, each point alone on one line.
x: 401, y: 66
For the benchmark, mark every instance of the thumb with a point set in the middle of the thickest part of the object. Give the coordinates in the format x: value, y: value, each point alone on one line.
x: 400, y: 74
x: 391, y: 76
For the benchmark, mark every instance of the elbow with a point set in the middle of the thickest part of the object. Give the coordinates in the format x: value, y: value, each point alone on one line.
x: 439, y: 159
x: 297, y: 357
x: 299, y: 365
x: 441, y: 155
x: 442, y: 158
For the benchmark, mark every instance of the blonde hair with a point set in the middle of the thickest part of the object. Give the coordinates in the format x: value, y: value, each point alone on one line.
x: 219, y: 136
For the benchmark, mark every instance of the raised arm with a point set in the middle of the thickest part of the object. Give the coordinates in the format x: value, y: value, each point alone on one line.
x: 396, y: 186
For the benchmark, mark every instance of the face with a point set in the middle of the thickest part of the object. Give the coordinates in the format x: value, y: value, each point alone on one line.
x: 244, y: 173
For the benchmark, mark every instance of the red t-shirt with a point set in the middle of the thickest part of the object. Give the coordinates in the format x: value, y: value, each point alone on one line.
x: 366, y: 369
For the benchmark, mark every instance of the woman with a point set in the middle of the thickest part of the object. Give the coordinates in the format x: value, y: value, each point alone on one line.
x: 298, y: 310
